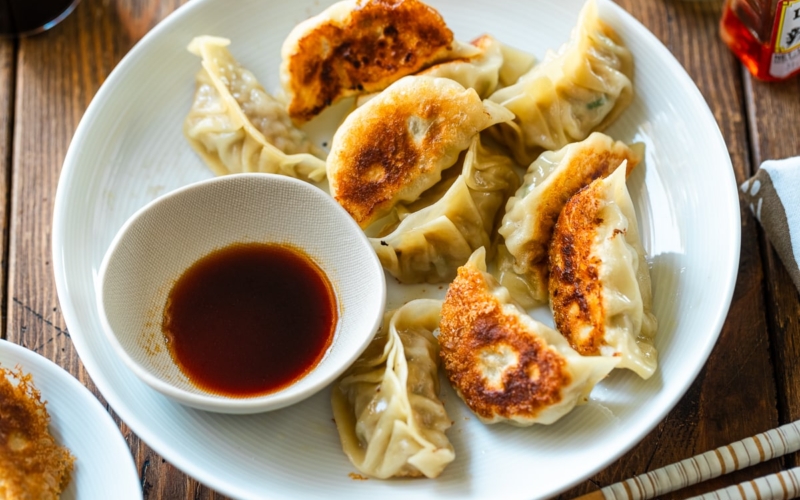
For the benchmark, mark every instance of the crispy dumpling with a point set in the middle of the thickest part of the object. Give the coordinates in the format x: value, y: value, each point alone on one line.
x: 531, y: 213
x: 236, y: 126
x: 396, y: 146
x: 386, y: 406
x: 506, y: 366
x: 599, y: 279
x: 361, y: 46
x: 431, y: 242
x: 33, y: 465
x: 582, y: 88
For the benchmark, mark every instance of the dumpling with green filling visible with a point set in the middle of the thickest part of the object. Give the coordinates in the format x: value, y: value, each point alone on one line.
x: 581, y: 88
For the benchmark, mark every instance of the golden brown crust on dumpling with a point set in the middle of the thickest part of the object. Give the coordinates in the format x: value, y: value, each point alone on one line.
x: 32, y: 464
x: 396, y: 146
x: 575, y: 286
x: 498, y: 367
x: 585, y: 167
x: 378, y: 42
x: 383, y: 160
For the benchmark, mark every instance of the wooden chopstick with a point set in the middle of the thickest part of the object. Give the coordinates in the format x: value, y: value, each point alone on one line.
x: 782, y: 485
x: 750, y: 451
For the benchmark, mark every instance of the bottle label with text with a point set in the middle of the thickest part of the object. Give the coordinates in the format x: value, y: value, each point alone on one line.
x: 786, y: 58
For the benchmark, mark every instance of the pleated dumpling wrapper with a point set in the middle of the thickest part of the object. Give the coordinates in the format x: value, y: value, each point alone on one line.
x: 496, y: 65
x: 599, y: 280
x: 581, y: 88
x: 386, y: 406
x: 531, y: 213
x: 430, y: 242
x: 236, y: 126
x: 506, y: 366
x: 396, y: 146
x: 361, y: 46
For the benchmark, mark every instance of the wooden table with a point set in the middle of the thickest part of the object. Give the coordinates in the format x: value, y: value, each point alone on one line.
x: 751, y: 382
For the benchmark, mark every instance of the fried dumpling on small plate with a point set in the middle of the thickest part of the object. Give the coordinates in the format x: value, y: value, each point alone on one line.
x: 599, y: 280
x: 361, y: 46
x: 236, y: 126
x: 531, y: 213
x: 506, y: 366
x: 33, y: 465
x: 437, y: 233
x: 581, y: 88
x: 386, y: 406
x: 396, y: 146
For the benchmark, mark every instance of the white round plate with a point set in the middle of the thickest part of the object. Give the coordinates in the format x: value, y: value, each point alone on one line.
x: 129, y: 149
x: 103, y: 463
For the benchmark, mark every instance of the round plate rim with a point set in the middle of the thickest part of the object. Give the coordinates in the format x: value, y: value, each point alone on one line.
x: 731, y: 259
x: 33, y: 363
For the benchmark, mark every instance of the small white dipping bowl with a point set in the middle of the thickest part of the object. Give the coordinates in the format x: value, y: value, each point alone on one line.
x: 160, y: 241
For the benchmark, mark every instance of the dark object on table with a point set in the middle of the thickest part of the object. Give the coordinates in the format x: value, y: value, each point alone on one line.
x: 28, y: 17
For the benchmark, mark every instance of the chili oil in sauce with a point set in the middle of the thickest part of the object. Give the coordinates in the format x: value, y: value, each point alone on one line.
x: 249, y: 319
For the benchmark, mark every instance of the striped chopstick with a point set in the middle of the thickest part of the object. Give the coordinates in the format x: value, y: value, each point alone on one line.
x: 711, y: 464
x: 780, y: 486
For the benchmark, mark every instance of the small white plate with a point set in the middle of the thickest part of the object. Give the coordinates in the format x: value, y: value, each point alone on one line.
x: 129, y: 148
x: 104, y: 466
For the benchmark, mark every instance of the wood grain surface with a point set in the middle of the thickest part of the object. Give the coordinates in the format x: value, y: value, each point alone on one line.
x: 774, y: 123
x: 750, y: 383
x: 8, y: 78
x: 57, y: 74
x: 734, y: 396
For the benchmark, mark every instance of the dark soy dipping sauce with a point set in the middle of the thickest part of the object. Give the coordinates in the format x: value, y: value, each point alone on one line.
x: 249, y: 319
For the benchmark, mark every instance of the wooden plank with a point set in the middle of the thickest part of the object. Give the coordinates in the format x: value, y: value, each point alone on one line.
x: 7, y: 87
x: 58, y: 74
x: 734, y: 396
x: 774, y: 120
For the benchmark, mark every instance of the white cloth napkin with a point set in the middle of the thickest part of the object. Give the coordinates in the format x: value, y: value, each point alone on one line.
x: 774, y: 198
